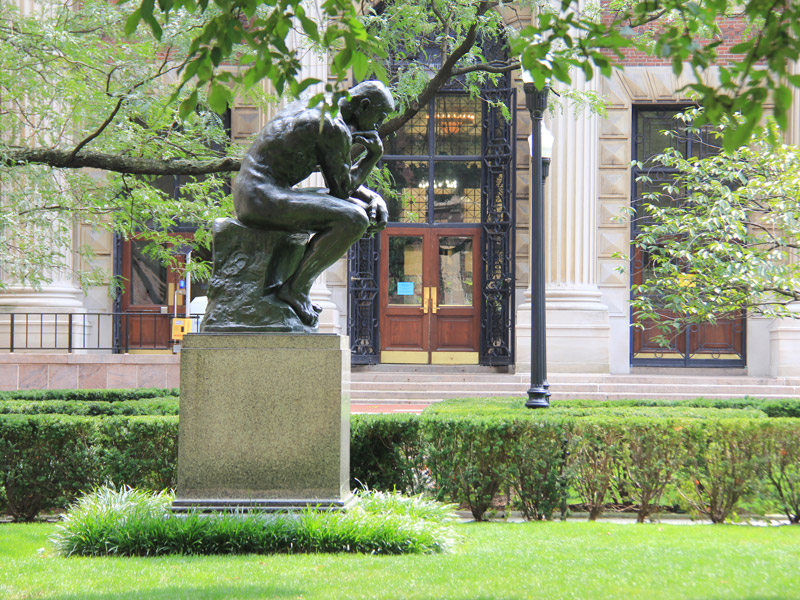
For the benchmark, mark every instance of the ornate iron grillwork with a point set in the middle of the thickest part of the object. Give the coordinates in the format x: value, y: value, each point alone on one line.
x: 363, y: 261
x: 497, y: 239
x: 722, y: 344
x: 497, y: 217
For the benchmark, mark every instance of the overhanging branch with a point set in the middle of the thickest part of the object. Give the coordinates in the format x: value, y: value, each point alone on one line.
x: 64, y: 159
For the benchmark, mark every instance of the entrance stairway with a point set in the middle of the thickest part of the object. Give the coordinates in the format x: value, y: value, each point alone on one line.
x: 411, y: 387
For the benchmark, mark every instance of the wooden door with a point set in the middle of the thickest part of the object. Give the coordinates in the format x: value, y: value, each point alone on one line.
x: 430, y: 311
x: 148, y: 302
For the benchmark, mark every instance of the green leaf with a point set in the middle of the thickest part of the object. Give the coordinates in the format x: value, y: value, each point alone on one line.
x: 188, y: 105
x: 360, y: 66
x: 132, y: 21
x: 219, y: 97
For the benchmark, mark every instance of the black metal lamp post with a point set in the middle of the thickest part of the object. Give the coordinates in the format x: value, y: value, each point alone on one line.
x: 538, y: 394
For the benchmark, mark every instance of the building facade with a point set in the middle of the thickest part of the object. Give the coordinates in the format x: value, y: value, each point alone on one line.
x: 447, y: 281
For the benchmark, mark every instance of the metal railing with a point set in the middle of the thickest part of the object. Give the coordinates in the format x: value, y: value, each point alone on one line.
x: 89, y: 332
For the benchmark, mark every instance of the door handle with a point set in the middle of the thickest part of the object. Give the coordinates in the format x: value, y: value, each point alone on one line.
x: 426, y: 295
x: 434, y: 299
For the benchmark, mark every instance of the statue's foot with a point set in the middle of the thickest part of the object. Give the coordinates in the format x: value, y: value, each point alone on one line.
x: 301, y: 304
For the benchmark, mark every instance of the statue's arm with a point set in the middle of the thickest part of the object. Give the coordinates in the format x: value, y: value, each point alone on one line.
x: 371, y: 141
x: 333, y: 151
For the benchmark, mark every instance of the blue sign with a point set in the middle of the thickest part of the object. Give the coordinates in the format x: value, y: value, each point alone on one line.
x: 181, y: 284
x: 405, y: 288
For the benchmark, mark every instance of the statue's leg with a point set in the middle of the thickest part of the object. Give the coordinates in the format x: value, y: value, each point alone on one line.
x: 338, y: 224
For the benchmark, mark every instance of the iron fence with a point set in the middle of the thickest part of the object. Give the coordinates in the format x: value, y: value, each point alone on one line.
x: 88, y: 332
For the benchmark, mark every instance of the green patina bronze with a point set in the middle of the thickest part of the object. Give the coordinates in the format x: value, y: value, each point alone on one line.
x: 283, y: 238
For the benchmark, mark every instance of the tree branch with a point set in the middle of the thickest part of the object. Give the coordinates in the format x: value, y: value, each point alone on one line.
x: 437, y: 81
x: 487, y: 68
x: 64, y: 159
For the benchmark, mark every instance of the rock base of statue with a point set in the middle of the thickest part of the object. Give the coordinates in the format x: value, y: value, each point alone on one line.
x: 249, y: 265
x: 264, y: 422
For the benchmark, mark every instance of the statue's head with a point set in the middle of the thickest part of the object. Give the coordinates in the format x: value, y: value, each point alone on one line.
x: 369, y: 104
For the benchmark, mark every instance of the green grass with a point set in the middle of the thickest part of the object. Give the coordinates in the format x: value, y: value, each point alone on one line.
x: 130, y: 522
x: 495, y: 560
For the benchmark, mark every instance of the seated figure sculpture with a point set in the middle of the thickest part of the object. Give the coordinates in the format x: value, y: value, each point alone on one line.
x: 297, y: 142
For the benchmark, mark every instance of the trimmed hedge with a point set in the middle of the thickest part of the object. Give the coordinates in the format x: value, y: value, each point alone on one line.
x: 90, y: 395
x: 537, y: 461
x: 149, y: 406
x: 785, y: 407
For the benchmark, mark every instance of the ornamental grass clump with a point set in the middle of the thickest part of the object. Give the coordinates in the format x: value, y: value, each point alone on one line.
x: 128, y: 522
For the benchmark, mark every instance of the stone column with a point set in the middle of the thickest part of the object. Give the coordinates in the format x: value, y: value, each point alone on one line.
x: 577, y: 321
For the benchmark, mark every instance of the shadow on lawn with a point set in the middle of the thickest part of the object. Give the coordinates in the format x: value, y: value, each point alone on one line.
x: 228, y: 592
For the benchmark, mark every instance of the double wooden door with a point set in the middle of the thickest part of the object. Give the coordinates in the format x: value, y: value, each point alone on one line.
x: 430, y: 307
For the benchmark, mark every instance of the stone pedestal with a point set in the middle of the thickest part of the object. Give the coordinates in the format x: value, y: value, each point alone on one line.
x: 264, y: 422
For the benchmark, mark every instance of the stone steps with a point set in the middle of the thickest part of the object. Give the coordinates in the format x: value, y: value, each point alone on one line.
x: 430, y: 383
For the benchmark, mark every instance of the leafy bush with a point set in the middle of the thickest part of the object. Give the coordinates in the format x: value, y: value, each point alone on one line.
x: 45, y: 460
x: 132, y: 523
x: 468, y: 459
x: 90, y: 395
x: 138, y: 451
x: 167, y: 405
x: 385, y: 452
x: 789, y: 407
x: 626, y: 455
x: 652, y: 455
x: 596, y: 454
x: 539, y: 467
x: 724, y: 469
x: 780, y: 465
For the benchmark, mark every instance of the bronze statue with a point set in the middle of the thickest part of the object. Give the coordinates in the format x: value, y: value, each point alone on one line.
x: 297, y: 142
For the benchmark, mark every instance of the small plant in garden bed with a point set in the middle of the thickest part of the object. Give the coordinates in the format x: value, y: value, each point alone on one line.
x: 129, y: 522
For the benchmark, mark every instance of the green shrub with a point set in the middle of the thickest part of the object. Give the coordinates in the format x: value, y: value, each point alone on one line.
x: 385, y: 452
x: 789, y: 407
x: 167, y: 405
x: 651, y: 455
x: 132, y: 523
x: 659, y: 412
x: 780, y: 465
x: 538, y: 458
x: 468, y: 459
x: 724, y: 468
x: 140, y: 452
x: 595, y: 458
x: 45, y: 460
x: 90, y: 395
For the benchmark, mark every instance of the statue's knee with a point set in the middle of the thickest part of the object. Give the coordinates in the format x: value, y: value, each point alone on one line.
x: 357, y: 222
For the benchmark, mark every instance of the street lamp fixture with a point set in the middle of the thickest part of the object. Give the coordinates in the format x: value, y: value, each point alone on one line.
x: 536, y: 103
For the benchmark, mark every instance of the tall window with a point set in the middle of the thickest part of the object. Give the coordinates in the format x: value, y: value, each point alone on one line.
x: 435, y: 160
x: 721, y: 344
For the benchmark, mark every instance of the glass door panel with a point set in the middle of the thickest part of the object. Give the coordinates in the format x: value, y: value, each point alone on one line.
x: 405, y: 270
x: 455, y: 271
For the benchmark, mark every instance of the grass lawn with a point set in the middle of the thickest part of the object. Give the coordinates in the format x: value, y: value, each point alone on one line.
x: 495, y: 560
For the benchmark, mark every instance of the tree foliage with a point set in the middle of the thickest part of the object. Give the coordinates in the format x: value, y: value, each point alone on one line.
x: 78, y: 93
x: 723, y: 236
x: 134, y: 88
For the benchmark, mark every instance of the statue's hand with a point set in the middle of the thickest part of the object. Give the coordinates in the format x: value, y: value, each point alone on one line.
x: 376, y: 208
x: 371, y: 140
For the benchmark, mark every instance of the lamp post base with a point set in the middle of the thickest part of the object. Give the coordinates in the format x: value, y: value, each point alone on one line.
x: 538, y: 396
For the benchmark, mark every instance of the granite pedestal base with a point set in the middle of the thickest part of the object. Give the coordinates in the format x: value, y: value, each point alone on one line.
x: 264, y: 422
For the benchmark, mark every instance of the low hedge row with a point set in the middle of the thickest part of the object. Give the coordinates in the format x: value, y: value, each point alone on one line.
x: 536, y: 461
x: 90, y: 395
x: 167, y: 405
x: 786, y: 407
